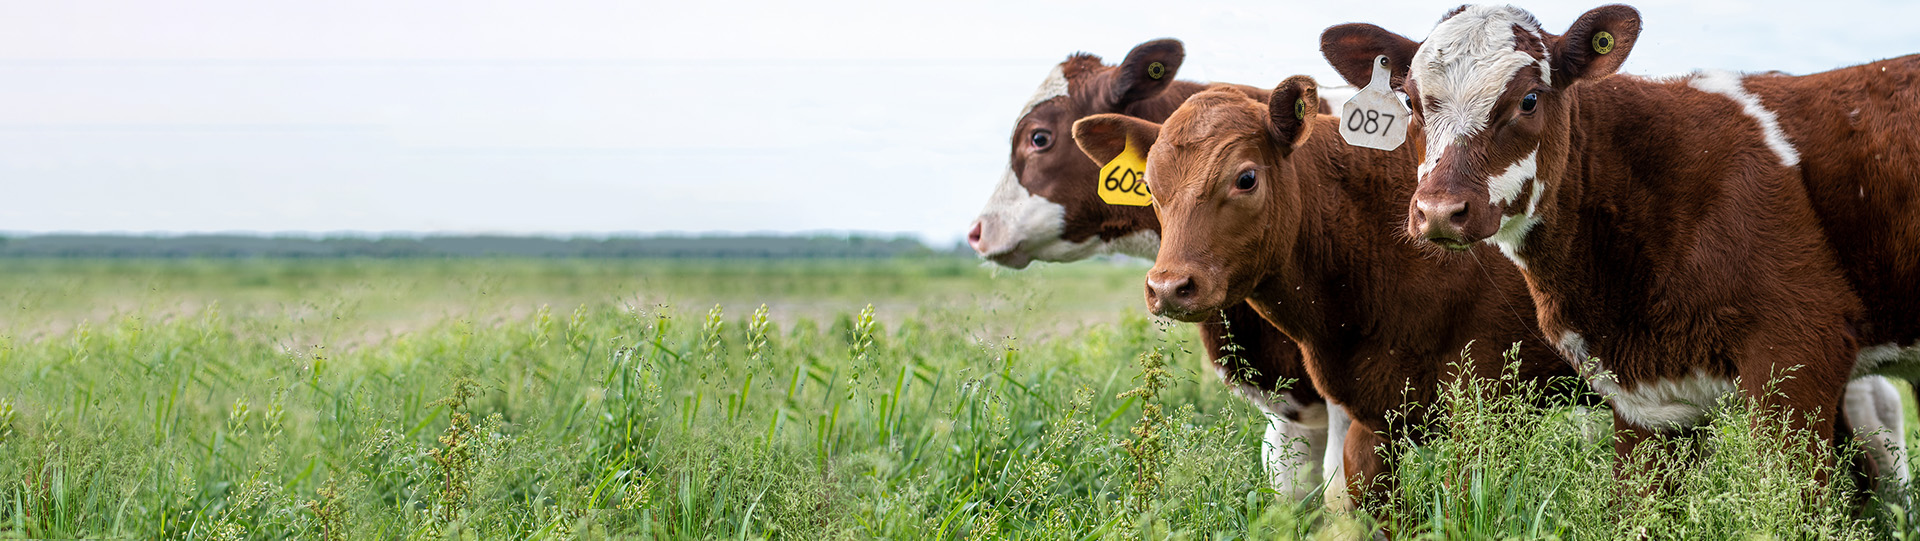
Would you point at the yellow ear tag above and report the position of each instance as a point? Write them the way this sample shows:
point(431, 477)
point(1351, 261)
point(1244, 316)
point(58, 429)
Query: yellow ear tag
point(1603, 42)
point(1123, 181)
point(1300, 109)
point(1156, 70)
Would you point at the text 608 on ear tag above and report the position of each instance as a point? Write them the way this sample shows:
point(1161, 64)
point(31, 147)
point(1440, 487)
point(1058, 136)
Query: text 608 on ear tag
point(1375, 117)
point(1123, 181)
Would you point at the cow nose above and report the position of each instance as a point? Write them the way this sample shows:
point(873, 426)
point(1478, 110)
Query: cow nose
point(1441, 221)
point(973, 237)
point(1168, 293)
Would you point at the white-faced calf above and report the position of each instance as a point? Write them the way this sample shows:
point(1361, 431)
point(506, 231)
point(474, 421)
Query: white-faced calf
point(1669, 243)
point(1261, 202)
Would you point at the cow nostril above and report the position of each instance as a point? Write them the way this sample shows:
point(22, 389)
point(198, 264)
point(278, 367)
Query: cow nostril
point(973, 237)
point(1427, 212)
point(1184, 290)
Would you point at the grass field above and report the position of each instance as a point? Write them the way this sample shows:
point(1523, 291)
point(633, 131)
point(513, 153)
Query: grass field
point(911, 398)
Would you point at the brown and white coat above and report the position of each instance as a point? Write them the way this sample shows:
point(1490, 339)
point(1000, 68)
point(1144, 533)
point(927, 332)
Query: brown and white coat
point(1675, 243)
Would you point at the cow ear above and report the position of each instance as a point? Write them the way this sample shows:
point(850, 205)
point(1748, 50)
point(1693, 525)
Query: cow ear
point(1352, 48)
point(1596, 45)
point(1146, 71)
point(1105, 136)
point(1290, 111)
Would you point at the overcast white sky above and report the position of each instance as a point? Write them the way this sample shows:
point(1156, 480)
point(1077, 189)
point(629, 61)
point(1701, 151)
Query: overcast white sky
point(564, 117)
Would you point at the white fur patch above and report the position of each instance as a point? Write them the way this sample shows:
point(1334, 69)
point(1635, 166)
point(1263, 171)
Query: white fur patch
point(1657, 405)
point(1506, 186)
point(1463, 68)
point(1681, 403)
point(1514, 227)
point(1333, 458)
point(1055, 86)
point(1731, 85)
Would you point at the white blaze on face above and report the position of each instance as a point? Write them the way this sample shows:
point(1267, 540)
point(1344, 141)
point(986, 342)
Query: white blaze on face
point(1018, 227)
point(1462, 69)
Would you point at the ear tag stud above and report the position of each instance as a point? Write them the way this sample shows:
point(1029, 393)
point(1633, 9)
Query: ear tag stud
point(1156, 70)
point(1123, 181)
point(1300, 109)
point(1603, 42)
point(1375, 118)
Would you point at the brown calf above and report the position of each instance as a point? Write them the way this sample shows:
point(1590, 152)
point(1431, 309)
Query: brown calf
point(1046, 209)
point(1670, 246)
point(1262, 202)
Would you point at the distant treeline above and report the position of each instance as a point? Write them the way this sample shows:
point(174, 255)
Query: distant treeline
point(243, 246)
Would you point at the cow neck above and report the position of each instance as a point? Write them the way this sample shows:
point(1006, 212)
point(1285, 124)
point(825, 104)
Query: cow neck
point(1330, 287)
point(1564, 251)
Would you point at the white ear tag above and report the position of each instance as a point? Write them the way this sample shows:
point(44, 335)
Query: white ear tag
point(1375, 117)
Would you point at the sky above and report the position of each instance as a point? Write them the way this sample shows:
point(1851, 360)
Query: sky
point(592, 118)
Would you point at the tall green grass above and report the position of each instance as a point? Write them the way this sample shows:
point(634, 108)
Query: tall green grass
point(497, 399)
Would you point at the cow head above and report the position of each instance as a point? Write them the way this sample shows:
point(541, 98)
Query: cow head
point(1224, 186)
point(1046, 206)
point(1490, 93)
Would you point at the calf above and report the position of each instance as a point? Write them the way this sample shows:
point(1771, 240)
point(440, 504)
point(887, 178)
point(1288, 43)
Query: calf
point(1262, 203)
point(1047, 208)
point(1669, 243)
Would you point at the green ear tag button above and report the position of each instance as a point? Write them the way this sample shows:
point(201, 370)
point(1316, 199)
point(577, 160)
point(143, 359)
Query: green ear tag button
point(1156, 70)
point(1603, 42)
point(1300, 109)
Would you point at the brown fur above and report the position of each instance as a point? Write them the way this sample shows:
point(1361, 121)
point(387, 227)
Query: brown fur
point(1670, 237)
point(1859, 151)
point(1381, 320)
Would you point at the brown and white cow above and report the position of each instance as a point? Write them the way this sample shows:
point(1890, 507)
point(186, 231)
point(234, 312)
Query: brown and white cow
point(1671, 244)
point(1261, 202)
point(1046, 209)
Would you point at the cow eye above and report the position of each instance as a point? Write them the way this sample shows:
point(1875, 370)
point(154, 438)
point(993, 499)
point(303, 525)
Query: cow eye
point(1245, 182)
point(1528, 103)
point(1041, 139)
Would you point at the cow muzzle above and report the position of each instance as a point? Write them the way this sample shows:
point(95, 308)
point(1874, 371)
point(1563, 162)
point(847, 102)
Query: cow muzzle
point(1445, 220)
point(1177, 295)
point(989, 240)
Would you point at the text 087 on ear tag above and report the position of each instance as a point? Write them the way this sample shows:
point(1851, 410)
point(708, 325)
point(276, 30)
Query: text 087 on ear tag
point(1375, 117)
point(1123, 181)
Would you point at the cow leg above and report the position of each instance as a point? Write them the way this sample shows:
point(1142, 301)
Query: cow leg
point(1626, 437)
point(1809, 398)
point(1367, 483)
point(1332, 455)
point(1892, 414)
point(1863, 467)
point(1873, 411)
point(1291, 455)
